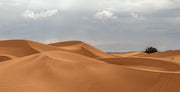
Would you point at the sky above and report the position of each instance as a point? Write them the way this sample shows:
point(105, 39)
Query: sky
point(109, 25)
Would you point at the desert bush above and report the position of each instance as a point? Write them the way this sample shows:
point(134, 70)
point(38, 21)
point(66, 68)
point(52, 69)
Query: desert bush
point(151, 50)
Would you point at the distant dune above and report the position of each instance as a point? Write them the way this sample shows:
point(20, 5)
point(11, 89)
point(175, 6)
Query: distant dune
point(163, 54)
point(74, 66)
point(173, 55)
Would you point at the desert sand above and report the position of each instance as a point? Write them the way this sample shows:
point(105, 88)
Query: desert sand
point(74, 66)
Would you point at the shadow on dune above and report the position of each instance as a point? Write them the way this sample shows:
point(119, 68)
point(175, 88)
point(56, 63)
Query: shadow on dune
point(144, 63)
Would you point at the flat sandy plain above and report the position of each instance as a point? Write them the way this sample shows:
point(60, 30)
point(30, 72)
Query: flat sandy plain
point(74, 66)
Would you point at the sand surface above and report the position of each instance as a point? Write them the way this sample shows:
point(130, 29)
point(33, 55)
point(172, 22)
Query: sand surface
point(74, 66)
point(128, 54)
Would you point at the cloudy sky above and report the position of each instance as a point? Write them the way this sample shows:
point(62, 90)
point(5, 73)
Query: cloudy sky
point(110, 25)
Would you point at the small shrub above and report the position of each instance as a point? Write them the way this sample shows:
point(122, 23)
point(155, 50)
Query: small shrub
point(151, 50)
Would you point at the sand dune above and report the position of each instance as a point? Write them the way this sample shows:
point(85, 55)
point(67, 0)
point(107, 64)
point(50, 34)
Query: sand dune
point(55, 71)
point(78, 67)
point(81, 48)
point(20, 48)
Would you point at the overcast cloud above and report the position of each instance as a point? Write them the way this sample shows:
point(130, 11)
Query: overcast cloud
point(110, 25)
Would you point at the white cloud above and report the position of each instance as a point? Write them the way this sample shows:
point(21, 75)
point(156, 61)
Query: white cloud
point(105, 14)
point(33, 15)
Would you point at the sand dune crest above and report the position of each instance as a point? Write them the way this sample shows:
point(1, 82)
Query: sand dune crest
point(81, 48)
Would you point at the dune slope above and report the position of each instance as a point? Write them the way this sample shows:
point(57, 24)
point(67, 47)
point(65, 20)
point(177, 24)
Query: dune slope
point(60, 71)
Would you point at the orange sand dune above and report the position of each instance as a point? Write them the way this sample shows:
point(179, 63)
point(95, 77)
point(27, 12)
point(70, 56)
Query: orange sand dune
point(20, 48)
point(81, 48)
point(128, 54)
point(59, 71)
point(75, 66)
